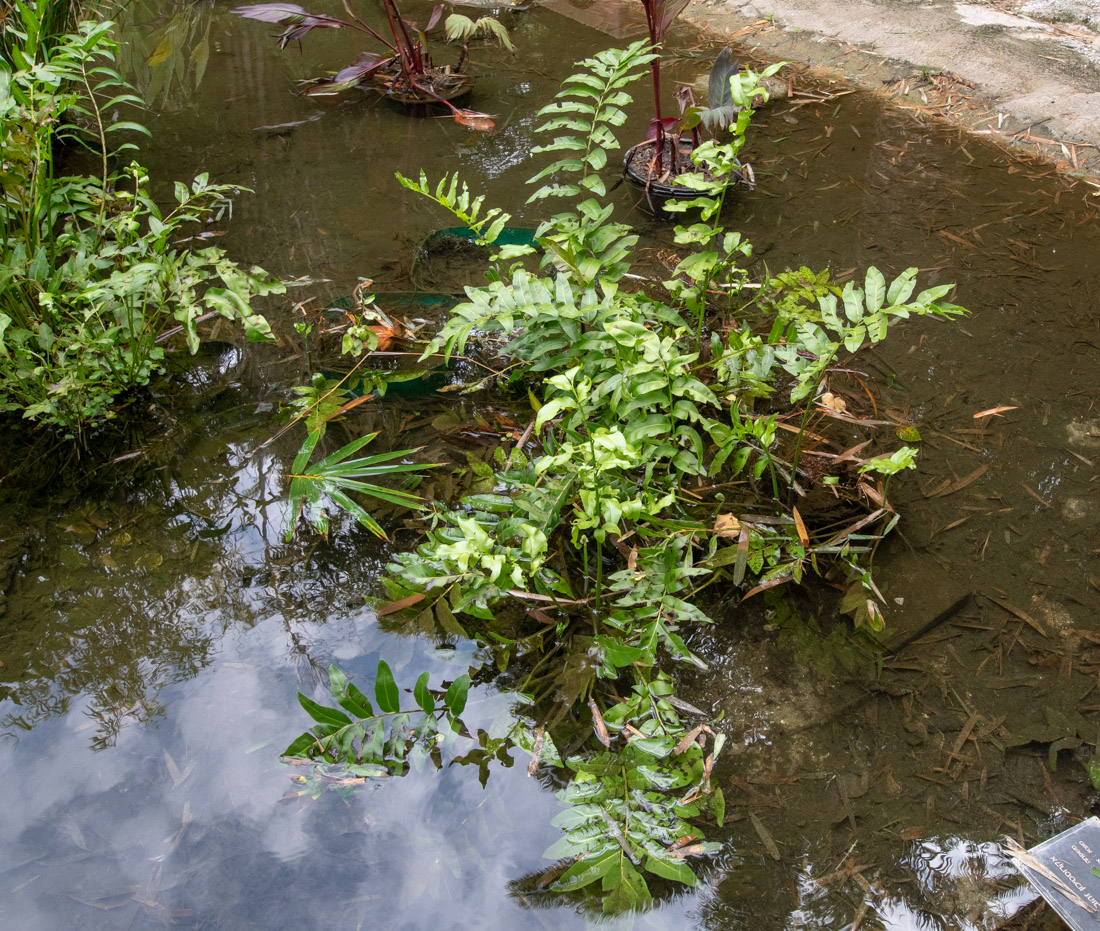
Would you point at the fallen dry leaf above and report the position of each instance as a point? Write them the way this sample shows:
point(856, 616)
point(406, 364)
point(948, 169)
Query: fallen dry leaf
point(394, 606)
point(800, 526)
point(537, 750)
point(993, 412)
point(474, 120)
point(687, 740)
point(597, 721)
point(727, 526)
point(948, 487)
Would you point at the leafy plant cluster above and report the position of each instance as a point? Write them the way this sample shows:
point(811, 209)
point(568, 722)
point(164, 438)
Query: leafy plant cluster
point(50, 22)
point(91, 275)
point(731, 95)
point(335, 475)
point(352, 743)
point(662, 466)
point(629, 804)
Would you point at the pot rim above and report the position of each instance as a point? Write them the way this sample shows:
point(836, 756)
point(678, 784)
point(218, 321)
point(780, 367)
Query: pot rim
point(671, 191)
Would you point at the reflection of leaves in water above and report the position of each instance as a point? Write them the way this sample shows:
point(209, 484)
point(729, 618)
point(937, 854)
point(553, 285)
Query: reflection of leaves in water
point(129, 610)
point(801, 633)
point(165, 48)
point(105, 656)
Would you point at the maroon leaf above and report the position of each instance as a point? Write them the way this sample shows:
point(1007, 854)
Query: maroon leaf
point(286, 14)
point(272, 12)
point(367, 64)
point(436, 14)
point(668, 124)
point(659, 15)
point(299, 20)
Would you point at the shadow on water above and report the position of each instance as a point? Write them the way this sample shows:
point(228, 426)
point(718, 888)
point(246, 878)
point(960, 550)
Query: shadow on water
point(167, 626)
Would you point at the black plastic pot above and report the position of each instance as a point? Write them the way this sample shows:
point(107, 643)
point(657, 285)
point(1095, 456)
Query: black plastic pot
point(657, 194)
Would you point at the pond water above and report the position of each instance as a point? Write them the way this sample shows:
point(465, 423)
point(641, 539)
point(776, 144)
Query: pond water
point(152, 637)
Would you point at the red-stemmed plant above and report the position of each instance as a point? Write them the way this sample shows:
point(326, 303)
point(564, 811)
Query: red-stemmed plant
point(659, 15)
point(404, 71)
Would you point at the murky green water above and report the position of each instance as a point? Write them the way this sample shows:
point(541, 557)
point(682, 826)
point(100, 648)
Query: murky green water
point(152, 638)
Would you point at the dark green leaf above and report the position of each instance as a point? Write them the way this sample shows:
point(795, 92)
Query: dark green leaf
point(587, 871)
point(447, 620)
point(423, 697)
point(323, 714)
point(619, 654)
point(455, 699)
point(626, 889)
point(676, 870)
point(385, 689)
point(347, 695)
point(718, 806)
point(301, 746)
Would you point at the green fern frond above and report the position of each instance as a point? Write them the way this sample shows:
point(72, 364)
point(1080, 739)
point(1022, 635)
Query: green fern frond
point(454, 195)
point(336, 475)
point(589, 104)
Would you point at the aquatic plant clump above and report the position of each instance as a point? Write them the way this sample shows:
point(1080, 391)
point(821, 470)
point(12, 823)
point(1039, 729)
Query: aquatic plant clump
point(91, 273)
point(405, 71)
point(664, 461)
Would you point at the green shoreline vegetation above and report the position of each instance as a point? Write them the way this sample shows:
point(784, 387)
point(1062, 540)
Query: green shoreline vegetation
point(661, 471)
point(666, 452)
point(90, 276)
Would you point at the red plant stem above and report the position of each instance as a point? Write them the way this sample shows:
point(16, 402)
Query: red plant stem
point(404, 48)
point(357, 23)
point(414, 47)
point(659, 140)
point(655, 71)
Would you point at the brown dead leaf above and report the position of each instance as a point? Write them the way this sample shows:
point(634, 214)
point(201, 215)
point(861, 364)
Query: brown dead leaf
point(765, 837)
point(394, 606)
point(541, 616)
point(1023, 616)
point(954, 238)
point(727, 526)
point(536, 750)
point(597, 721)
point(851, 453)
point(387, 335)
point(687, 740)
point(764, 586)
point(873, 494)
point(682, 841)
point(800, 526)
point(949, 487)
